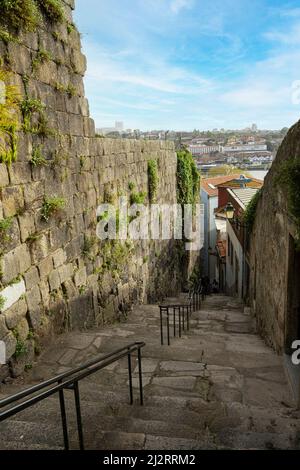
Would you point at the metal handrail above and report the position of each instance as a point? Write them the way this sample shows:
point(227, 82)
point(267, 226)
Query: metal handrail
point(83, 371)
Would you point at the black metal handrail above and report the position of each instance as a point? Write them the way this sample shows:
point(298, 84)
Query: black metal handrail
point(194, 303)
point(70, 381)
point(183, 312)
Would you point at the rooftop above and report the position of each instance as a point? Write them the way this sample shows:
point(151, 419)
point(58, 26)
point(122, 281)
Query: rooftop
point(243, 195)
point(209, 185)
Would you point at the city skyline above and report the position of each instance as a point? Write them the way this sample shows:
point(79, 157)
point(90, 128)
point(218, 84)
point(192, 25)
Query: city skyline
point(187, 64)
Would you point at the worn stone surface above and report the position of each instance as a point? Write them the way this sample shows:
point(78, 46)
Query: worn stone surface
point(195, 396)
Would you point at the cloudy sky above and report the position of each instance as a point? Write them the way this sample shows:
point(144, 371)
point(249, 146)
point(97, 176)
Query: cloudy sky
point(185, 64)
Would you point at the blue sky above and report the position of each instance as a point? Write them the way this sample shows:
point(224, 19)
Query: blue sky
point(185, 64)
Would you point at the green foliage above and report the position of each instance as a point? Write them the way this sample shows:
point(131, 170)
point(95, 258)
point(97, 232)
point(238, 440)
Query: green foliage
point(70, 28)
point(42, 128)
point(20, 14)
point(226, 170)
point(37, 158)
point(7, 37)
point(188, 179)
point(115, 256)
point(51, 205)
point(153, 180)
point(138, 198)
point(5, 224)
point(2, 302)
point(21, 347)
point(289, 178)
point(250, 212)
point(53, 10)
point(41, 57)
point(9, 120)
point(131, 185)
point(69, 89)
point(28, 107)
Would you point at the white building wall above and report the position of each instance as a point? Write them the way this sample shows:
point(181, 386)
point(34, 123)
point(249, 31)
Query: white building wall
point(232, 269)
point(210, 234)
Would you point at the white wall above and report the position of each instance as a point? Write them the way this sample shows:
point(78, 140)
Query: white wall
point(210, 234)
point(231, 269)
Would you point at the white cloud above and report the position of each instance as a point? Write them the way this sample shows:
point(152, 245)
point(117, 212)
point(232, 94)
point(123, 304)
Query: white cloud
point(289, 38)
point(177, 5)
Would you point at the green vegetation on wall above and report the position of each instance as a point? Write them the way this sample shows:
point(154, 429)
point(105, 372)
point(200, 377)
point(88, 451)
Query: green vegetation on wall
point(9, 119)
point(289, 178)
point(26, 14)
point(250, 212)
point(153, 180)
point(188, 179)
point(51, 205)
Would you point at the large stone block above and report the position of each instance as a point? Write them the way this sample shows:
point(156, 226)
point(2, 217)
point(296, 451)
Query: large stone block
point(45, 267)
point(15, 262)
point(12, 200)
point(20, 173)
point(3, 175)
point(33, 298)
point(31, 278)
point(14, 315)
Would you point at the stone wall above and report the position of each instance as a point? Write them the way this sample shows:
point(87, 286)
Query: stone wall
point(270, 250)
point(55, 274)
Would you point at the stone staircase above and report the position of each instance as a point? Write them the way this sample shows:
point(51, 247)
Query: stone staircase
point(218, 387)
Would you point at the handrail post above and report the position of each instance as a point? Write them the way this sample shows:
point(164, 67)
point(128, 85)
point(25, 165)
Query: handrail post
point(183, 321)
point(168, 326)
point(161, 327)
point(140, 376)
point(130, 378)
point(63, 417)
point(174, 321)
point(179, 316)
point(78, 415)
point(188, 316)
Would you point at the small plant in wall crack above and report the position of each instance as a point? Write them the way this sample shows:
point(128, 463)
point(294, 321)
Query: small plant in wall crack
point(5, 225)
point(41, 57)
point(37, 158)
point(51, 206)
point(28, 107)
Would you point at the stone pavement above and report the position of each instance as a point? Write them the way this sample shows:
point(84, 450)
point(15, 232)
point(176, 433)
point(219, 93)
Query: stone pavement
point(218, 387)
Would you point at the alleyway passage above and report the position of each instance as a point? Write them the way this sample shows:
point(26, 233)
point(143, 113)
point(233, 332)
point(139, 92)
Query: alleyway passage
point(217, 387)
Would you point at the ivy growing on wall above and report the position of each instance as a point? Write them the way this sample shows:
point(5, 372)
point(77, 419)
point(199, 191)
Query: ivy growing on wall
point(9, 119)
point(250, 212)
point(288, 177)
point(153, 180)
point(188, 179)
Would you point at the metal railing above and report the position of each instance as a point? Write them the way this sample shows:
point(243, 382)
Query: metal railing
point(70, 381)
point(180, 313)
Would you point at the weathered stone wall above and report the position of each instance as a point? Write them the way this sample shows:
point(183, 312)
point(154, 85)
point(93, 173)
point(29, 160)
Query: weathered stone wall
point(55, 274)
point(269, 250)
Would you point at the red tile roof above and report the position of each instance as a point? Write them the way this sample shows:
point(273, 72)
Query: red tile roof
point(216, 181)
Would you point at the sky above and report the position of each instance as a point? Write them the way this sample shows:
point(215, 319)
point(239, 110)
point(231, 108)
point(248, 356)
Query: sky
point(191, 64)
